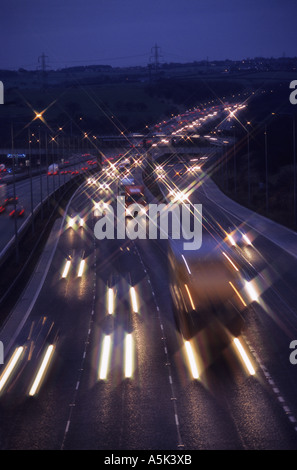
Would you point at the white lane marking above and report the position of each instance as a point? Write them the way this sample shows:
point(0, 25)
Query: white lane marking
point(271, 382)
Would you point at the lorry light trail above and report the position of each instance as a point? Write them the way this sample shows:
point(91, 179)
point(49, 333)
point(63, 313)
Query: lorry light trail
point(230, 261)
point(237, 293)
point(231, 239)
point(192, 361)
point(190, 297)
point(246, 239)
point(244, 356)
point(251, 291)
point(42, 370)
point(133, 299)
point(110, 301)
point(187, 266)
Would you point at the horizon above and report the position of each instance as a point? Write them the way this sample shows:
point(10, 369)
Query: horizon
point(124, 34)
point(194, 61)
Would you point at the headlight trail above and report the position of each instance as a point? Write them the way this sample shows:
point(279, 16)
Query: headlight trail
point(231, 239)
point(10, 367)
point(230, 261)
point(246, 239)
point(81, 268)
point(128, 355)
point(66, 269)
point(187, 266)
point(71, 222)
point(110, 301)
point(190, 297)
point(192, 361)
point(244, 356)
point(105, 358)
point(237, 293)
point(133, 299)
point(251, 291)
point(42, 370)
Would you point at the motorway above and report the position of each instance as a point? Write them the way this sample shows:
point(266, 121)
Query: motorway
point(118, 376)
point(96, 360)
point(31, 193)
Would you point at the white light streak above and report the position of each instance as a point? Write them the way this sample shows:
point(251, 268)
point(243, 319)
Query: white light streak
point(190, 297)
point(41, 371)
point(10, 367)
point(110, 301)
point(66, 269)
point(187, 266)
point(81, 268)
point(105, 358)
point(244, 357)
point(251, 291)
point(192, 361)
point(133, 299)
point(230, 261)
point(128, 356)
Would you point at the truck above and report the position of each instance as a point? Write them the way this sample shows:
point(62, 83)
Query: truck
point(53, 169)
point(205, 287)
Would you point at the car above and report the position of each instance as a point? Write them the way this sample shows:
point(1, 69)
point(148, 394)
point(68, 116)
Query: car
point(236, 236)
point(11, 200)
point(18, 211)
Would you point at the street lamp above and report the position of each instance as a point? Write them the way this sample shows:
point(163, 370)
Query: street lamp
point(249, 179)
point(14, 196)
point(31, 182)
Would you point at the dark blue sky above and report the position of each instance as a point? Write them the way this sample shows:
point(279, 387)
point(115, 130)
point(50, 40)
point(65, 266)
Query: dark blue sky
point(122, 32)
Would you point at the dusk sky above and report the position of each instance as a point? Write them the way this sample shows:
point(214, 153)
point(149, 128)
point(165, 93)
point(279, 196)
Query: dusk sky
point(123, 32)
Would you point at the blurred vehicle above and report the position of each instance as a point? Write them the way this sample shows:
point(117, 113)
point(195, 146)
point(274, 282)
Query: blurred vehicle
point(3, 169)
point(11, 200)
point(53, 169)
point(205, 286)
point(91, 181)
point(122, 185)
point(134, 195)
point(18, 211)
point(3, 194)
point(235, 236)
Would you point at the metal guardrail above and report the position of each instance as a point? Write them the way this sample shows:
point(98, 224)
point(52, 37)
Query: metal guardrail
point(7, 250)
